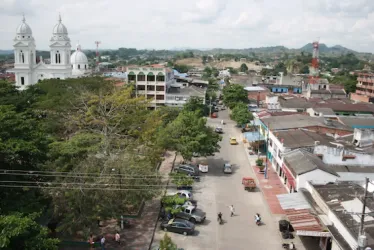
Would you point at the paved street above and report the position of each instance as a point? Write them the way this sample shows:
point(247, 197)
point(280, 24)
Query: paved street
point(217, 191)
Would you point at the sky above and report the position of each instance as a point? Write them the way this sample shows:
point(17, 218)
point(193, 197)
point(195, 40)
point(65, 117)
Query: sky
point(168, 24)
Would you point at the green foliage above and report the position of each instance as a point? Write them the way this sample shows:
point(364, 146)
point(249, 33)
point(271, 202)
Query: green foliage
point(167, 244)
point(188, 133)
point(259, 162)
point(233, 94)
point(182, 68)
point(181, 179)
point(195, 104)
point(241, 114)
point(20, 232)
point(243, 67)
point(347, 80)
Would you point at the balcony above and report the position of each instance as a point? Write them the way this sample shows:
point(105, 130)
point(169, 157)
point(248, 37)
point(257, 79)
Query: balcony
point(141, 92)
point(151, 92)
point(160, 101)
point(364, 79)
point(141, 83)
point(151, 82)
point(160, 82)
point(160, 92)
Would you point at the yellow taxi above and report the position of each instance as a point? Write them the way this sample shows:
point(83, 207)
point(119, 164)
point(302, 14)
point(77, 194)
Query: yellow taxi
point(233, 141)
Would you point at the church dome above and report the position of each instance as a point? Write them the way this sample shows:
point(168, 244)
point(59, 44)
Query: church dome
point(78, 57)
point(24, 28)
point(60, 28)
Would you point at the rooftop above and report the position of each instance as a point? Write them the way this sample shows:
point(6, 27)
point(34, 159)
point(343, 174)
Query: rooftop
point(254, 88)
point(300, 121)
point(302, 138)
point(188, 91)
point(325, 111)
point(358, 122)
point(300, 162)
point(346, 196)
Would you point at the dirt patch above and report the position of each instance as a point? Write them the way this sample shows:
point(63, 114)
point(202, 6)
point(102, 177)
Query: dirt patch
point(197, 63)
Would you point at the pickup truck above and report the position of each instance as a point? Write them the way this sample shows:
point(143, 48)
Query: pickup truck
point(191, 214)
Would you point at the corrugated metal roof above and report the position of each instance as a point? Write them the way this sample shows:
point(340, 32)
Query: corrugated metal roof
point(298, 212)
point(293, 201)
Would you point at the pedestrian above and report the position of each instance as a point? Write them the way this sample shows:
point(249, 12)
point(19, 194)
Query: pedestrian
point(117, 238)
point(232, 210)
point(91, 241)
point(102, 241)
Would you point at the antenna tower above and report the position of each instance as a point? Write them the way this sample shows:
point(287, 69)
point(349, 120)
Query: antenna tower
point(314, 69)
point(97, 55)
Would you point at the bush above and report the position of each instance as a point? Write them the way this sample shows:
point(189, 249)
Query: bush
point(259, 162)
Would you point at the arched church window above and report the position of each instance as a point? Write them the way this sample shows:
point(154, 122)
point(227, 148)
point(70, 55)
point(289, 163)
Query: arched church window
point(58, 57)
point(32, 58)
point(21, 57)
point(85, 66)
point(79, 66)
point(23, 36)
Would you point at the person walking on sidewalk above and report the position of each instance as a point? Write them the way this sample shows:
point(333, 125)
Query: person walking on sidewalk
point(117, 238)
point(102, 242)
point(232, 210)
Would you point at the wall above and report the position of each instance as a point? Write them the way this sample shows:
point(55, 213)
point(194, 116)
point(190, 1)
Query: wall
point(317, 176)
point(359, 98)
point(332, 217)
point(334, 155)
point(325, 130)
point(363, 134)
point(254, 95)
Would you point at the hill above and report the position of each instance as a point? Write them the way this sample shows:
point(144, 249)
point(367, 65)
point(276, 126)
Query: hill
point(6, 52)
point(323, 48)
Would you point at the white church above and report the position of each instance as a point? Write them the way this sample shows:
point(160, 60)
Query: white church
point(28, 70)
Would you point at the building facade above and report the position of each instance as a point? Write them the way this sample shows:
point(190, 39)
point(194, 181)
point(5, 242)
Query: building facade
point(364, 88)
point(29, 69)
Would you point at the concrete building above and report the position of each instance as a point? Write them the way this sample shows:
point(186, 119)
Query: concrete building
point(29, 70)
point(364, 88)
point(339, 204)
point(159, 85)
point(151, 82)
point(257, 93)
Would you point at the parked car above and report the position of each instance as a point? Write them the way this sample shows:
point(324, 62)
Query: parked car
point(187, 202)
point(191, 214)
point(233, 141)
point(227, 168)
point(188, 169)
point(184, 193)
point(178, 226)
point(203, 167)
point(219, 130)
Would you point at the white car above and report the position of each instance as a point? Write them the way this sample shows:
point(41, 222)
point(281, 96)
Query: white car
point(203, 167)
point(227, 168)
point(185, 193)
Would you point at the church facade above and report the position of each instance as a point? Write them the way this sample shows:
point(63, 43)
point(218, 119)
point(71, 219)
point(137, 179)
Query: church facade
point(29, 70)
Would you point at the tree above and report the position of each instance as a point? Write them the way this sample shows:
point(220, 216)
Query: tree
point(188, 133)
point(167, 244)
point(243, 67)
point(241, 114)
point(182, 68)
point(195, 104)
point(20, 232)
point(234, 93)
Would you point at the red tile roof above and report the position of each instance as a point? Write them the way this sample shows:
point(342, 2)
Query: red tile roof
point(303, 220)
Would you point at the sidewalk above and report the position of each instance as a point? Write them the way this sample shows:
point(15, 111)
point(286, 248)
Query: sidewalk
point(270, 187)
point(140, 235)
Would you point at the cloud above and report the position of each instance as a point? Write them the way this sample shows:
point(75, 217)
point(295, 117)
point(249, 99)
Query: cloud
point(195, 23)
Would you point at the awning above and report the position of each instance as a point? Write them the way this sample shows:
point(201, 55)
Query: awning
point(140, 74)
point(254, 136)
point(299, 213)
point(150, 74)
point(160, 74)
point(131, 73)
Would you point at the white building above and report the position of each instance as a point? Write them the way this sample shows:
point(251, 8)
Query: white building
point(28, 70)
point(159, 86)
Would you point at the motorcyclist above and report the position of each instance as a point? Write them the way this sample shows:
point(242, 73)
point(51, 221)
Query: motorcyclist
point(258, 218)
point(219, 218)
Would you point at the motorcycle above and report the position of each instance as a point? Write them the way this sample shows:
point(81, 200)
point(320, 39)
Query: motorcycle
point(219, 219)
point(258, 220)
point(289, 246)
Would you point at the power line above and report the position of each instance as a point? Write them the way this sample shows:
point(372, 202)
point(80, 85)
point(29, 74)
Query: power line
point(73, 183)
point(84, 188)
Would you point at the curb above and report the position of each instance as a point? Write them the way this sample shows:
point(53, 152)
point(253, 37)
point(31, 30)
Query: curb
point(158, 216)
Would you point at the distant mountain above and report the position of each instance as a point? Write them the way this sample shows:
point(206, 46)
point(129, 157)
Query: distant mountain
point(323, 48)
point(6, 52)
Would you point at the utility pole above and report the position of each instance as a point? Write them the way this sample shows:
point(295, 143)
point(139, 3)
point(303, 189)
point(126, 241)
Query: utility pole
point(210, 106)
point(361, 231)
point(267, 151)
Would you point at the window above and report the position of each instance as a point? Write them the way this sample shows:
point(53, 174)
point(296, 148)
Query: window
point(22, 80)
point(141, 77)
point(79, 66)
point(21, 57)
point(58, 57)
point(85, 66)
